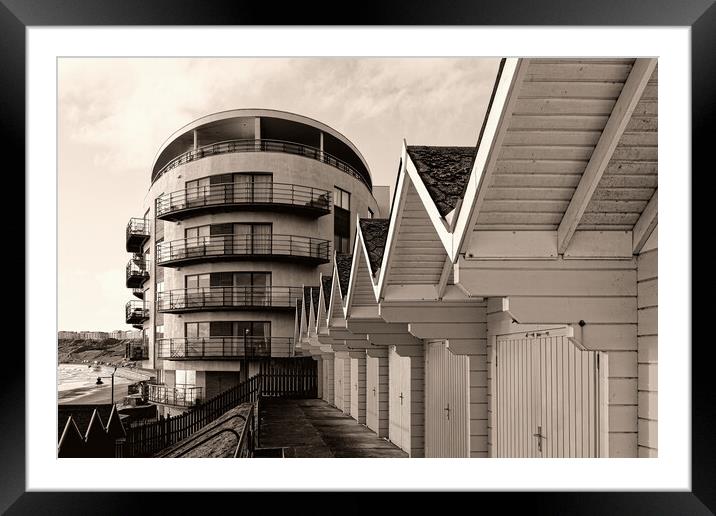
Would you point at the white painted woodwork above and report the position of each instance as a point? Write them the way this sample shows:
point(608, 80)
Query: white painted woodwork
point(497, 121)
point(647, 363)
point(406, 400)
point(605, 148)
point(547, 385)
point(328, 379)
point(346, 385)
point(358, 389)
point(447, 330)
point(440, 312)
point(447, 402)
point(377, 391)
point(417, 255)
point(645, 225)
point(338, 382)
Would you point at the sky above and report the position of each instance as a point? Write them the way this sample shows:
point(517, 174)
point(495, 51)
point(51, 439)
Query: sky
point(114, 113)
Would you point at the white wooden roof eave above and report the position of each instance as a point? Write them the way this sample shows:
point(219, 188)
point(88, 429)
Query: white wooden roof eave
point(360, 257)
point(506, 94)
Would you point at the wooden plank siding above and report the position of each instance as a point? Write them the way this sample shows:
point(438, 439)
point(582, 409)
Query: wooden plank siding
point(419, 255)
point(647, 388)
point(565, 292)
point(559, 115)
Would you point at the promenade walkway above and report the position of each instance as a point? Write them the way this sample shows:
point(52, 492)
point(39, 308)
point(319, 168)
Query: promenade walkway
point(313, 428)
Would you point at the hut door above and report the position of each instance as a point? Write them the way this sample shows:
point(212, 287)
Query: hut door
point(446, 402)
point(547, 396)
point(338, 382)
point(371, 398)
point(395, 433)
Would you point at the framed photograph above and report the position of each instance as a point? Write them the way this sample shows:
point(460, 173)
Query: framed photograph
point(429, 239)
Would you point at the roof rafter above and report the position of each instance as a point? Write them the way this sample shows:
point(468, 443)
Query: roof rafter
point(646, 224)
point(616, 124)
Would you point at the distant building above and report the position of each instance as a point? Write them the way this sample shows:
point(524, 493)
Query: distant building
point(67, 335)
point(92, 335)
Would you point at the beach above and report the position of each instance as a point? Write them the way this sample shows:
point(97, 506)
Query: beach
point(77, 385)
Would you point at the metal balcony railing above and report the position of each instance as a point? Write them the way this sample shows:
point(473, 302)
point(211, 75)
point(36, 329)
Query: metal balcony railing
point(138, 351)
point(138, 292)
point(219, 348)
point(182, 395)
point(230, 146)
point(232, 247)
point(136, 312)
point(137, 234)
point(137, 271)
point(227, 298)
point(230, 196)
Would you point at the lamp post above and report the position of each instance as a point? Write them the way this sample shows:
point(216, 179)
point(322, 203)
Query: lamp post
point(246, 354)
point(100, 382)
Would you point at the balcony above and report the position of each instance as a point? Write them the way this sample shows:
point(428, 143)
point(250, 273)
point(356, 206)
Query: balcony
point(309, 250)
point(232, 146)
point(137, 351)
point(137, 271)
point(181, 396)
point(137, 312)
point(219, 348)
point(138, 293)
point(137, 234)
point(228, 298)
point(225, 197)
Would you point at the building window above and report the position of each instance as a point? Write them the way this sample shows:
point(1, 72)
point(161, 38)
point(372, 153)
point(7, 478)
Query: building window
point(341, 221)
point(341, 198)
point(185, 379)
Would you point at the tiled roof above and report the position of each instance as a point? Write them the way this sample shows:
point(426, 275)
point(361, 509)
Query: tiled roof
point(315, 292)
point(307, 300)
point(444, 171)
point(344, 262)
point(375, 234)
point(327, 283)
point(81, 414)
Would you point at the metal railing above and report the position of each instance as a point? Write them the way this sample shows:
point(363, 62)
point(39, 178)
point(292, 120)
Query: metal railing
point(138, 352)
point(138, 292)
point(238, 246)
point(230, 146)
point(136, 312)
point(219, 347)
point(181, 396)
point(227, 298)
point(239, 194)
point(146, 439)
point(137, 270)
point(137, 233)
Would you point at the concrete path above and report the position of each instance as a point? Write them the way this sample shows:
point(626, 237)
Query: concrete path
point(313, 428)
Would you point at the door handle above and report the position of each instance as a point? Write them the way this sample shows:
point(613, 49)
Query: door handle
point(539, 437)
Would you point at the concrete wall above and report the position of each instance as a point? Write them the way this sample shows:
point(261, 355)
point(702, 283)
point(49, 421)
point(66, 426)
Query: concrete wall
point(647, 331)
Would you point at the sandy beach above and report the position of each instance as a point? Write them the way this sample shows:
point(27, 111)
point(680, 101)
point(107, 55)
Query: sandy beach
point(77, 384)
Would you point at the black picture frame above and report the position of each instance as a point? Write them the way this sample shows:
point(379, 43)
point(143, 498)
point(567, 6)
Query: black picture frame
point(699, 15)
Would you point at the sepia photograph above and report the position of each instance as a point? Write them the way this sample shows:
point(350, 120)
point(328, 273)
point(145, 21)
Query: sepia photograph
point(357, 257)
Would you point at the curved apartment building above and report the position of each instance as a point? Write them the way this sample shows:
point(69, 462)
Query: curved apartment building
point(244, 209)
